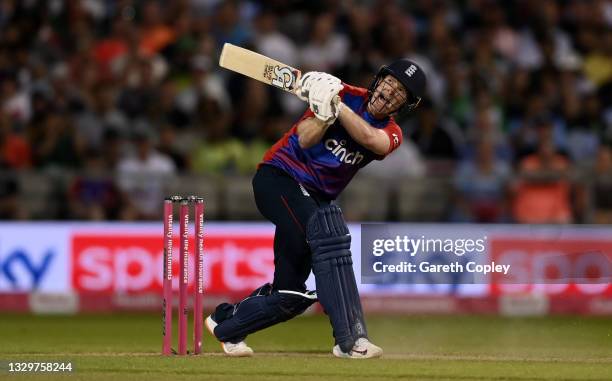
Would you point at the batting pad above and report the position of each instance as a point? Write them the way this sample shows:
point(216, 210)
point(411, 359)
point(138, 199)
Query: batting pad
point(330, 243)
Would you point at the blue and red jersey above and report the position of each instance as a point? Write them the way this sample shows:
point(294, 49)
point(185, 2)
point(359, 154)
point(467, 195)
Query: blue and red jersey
point(327, 167)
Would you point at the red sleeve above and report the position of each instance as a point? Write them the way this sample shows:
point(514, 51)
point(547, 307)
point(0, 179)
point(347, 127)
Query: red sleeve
point(392, 130)
point(394, 133)
point(353, 90)
point(307, 114)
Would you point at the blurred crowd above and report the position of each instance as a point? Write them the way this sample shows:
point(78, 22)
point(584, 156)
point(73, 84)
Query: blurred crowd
point(127, 94)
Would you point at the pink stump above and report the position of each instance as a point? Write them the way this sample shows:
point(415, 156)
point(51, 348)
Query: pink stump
point(199, 271)
point(167, 280)
point(184, 278)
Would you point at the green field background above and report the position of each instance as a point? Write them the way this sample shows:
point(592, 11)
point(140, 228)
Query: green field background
point(127, 347)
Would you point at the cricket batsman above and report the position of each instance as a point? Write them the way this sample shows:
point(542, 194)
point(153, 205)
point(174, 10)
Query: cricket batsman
point(344, 128)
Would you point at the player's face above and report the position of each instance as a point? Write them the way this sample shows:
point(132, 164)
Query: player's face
point(388, 96)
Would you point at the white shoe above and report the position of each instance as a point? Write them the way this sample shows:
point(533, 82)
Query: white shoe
point(231, 349)
point(362, 349)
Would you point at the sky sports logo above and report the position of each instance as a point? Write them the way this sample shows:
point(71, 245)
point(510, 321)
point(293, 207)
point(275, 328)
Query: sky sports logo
point(120, 263)
point(21, 269)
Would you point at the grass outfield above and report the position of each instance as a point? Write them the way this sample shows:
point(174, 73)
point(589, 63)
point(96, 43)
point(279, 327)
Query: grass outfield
point(126, 347)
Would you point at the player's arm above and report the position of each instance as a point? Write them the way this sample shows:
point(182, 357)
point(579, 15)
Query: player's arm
point(324, 87)
point(310, 131)
point(321, 90)
point(374, 139)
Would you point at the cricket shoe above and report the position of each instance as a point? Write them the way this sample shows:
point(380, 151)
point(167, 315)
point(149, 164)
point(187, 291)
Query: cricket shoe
point(240, 349)
point(362, 349)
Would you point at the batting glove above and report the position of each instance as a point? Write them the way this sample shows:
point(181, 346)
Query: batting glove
point(307, 80)
point(324, 100)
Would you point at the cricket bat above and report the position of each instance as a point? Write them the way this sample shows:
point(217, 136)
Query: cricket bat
point(259, 67)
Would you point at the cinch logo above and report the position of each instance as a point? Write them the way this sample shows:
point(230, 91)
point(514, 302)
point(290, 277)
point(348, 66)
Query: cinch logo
point(339, 150)
point(411, 70)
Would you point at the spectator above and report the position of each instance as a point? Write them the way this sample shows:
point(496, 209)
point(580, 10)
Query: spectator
point(436, 138)
point(486, 126)
point(167, 146)
point(505, 39)
point(142, 177)
point(15, 151)
point(76, 75)
point(271, 42)
point(112, 47)
point(515, 93)
point(481, 187)
point(228, 24)
point(9, 194)
point(113, 148)
point(137, 96)
point(218, 153)
point(542, 193)
point(326, 50)
point(165, 109)
point(458, 100)
point(528, 134)
point(404, 162)
point(155, 34)
point(602, 187)
point(98, 115)
point(598, 63)
point(252, 102)
point(543, 42)
point(60, 144)
point(93, 194)
point(204, 83)
point(15, 102)
point(586, 129)
point(272, 130)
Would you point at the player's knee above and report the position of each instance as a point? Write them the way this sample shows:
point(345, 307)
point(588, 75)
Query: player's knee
point(328, 234)
point(264, 290)
point(293, 303)
point(266, 304)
